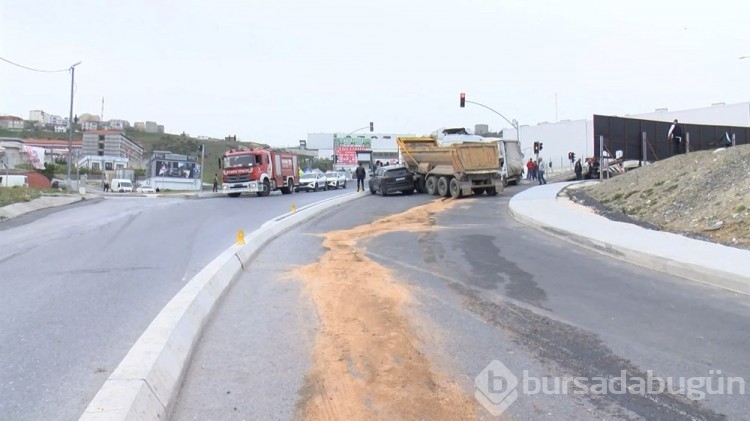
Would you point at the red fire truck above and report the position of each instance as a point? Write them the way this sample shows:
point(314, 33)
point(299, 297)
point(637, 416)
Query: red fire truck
point(259, 171)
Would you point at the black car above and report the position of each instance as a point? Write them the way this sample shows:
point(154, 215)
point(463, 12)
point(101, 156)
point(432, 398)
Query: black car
point(392, 178)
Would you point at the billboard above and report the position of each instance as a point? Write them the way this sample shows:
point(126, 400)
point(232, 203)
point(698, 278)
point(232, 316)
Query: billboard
point(177, 169)
point(35, 156)
point(345, 149)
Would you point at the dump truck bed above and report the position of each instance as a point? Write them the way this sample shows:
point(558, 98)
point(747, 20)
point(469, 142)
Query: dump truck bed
point(464, 157)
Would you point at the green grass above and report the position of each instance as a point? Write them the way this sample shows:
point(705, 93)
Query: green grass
point(672, 187)
point(617, 197)
point(11, 195)
point(658, 183)
point(630, 194)
point(740, 208)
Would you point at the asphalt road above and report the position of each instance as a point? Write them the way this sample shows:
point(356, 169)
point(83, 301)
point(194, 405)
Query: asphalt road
point(79, 284)
point(485, 288)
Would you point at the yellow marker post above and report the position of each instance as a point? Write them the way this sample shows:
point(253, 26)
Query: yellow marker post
point(240, 237)
point(294, 208)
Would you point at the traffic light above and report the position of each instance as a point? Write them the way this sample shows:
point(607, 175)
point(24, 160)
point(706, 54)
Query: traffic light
point(372, 126)
point(536, 147)
point(541, 146)
point(335, 158)
point(463, 100)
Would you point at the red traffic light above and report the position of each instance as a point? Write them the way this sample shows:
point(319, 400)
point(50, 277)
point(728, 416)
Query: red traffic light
point(463, 100)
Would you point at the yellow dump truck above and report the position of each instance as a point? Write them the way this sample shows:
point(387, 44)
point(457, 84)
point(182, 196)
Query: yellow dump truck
point(459, 169)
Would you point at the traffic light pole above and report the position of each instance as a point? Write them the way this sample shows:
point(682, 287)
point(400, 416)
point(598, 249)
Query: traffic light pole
point(513, 123)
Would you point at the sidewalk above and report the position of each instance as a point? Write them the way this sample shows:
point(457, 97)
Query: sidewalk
point(700, 261)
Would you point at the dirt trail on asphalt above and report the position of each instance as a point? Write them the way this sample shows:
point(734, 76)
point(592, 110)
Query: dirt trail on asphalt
point(366, 361)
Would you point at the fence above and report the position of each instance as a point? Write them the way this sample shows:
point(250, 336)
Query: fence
point(630, 135)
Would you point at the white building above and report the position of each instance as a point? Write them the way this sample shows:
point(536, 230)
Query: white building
point(40, 116)
point(577, 136)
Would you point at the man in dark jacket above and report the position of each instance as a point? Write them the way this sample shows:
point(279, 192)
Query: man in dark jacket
point(675, 136)
point(578, 170)
point(361, 173)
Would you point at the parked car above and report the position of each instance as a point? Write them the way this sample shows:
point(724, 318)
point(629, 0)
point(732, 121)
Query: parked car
point(336, 179)
point(145, 188)
point(312, 181)
point(391, 179)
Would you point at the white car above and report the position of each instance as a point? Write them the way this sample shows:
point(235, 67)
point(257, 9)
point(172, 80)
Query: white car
point(313, 181)
point(335, 179)
point(145, 188)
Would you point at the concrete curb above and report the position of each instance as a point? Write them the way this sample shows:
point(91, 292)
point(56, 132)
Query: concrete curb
point(147, 381)
point(710, 269)
point(44, 202)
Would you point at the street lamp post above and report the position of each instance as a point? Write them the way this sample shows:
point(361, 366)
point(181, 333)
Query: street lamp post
point(70, 121)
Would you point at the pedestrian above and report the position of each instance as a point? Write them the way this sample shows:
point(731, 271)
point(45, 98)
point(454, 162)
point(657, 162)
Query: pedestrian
point(675, 137)
point(529, 169)
point(106, 187)
point(361, 173)
point(216, 183)
point(540, 171)
point(578, 168)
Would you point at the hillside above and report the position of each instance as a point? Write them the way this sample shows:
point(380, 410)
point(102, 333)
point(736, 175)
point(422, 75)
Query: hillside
point(155, 141)
point(701, 194)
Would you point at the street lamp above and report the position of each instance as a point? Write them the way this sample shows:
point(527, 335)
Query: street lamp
point(70, 121)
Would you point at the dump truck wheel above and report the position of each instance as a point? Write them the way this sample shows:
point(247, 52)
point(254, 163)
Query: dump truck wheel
point(479, 191)
point(420, 185)
point(491, 191)
point(431, 185)
point(442, 186)
point(455, 188)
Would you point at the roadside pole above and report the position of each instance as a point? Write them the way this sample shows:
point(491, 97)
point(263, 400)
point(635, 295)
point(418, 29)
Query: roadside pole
point(203, 155)
point(601, 158)
point(644, 150)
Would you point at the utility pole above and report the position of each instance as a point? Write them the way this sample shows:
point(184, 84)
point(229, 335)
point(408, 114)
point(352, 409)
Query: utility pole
point(203, 155)
point(70, 122)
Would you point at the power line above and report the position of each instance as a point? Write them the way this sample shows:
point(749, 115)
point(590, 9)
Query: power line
point(33, 69)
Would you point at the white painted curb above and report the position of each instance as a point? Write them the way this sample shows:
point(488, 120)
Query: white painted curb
point(707, 263)
point(147, 381)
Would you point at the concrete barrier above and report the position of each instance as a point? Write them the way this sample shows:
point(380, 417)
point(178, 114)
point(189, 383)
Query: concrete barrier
point(147, 381)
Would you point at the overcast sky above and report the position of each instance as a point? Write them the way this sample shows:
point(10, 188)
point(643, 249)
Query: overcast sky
point(273, 71)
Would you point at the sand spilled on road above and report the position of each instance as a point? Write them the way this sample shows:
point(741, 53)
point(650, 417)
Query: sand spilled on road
point(366, 362)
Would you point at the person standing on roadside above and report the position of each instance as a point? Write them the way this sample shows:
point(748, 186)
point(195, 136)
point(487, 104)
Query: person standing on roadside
point(578, 168)
point(540, 171)
point(216, 182)
point(360, 172)
point(675, 136)
point(530, 169)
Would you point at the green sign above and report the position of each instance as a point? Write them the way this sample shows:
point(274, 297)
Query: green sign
point(352, 141)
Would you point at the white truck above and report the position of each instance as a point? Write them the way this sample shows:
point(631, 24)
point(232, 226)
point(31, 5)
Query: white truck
point(510, 155)
point(121, 185)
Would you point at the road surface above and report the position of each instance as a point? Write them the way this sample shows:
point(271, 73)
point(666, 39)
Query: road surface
point(79, 284)
point(396, 318)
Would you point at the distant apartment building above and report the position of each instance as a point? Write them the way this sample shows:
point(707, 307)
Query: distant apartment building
point(160, 128)
point(110, 146)
point(89, 125)
point(10, 122)
point(151, 127)
point(118, 124)
point(61, 129)
point(140, 126)
point(39, 116)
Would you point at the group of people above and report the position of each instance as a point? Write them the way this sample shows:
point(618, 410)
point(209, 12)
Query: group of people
point(535, 170)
